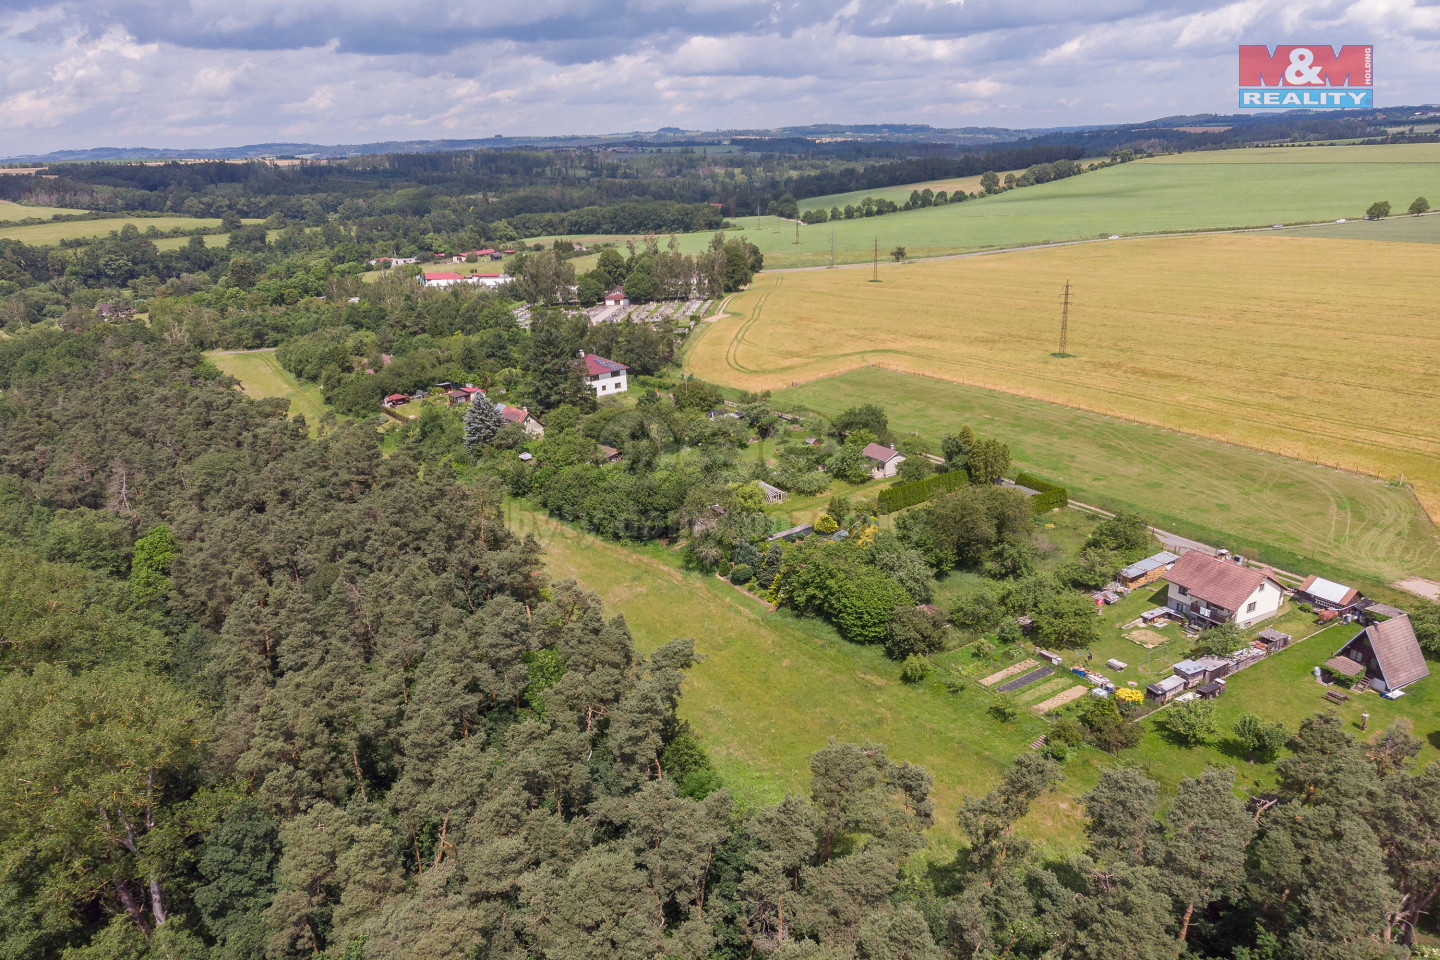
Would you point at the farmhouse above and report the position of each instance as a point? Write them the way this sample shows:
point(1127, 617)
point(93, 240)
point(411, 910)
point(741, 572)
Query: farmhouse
point(1386, 653)
point(886, 460)
point(1148, 570)
point(472, 279)
point(605, 377)
point(441, 279)
point(396, 400)
point(1214, 591)
point(520, 415)
point(609, 454)
point(617, 298)
point(1328, 595)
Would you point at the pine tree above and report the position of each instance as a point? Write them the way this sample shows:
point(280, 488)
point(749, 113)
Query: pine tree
point(482, 422)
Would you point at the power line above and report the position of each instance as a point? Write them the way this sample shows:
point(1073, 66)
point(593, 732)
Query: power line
point(876, 277)
point(1064, 320)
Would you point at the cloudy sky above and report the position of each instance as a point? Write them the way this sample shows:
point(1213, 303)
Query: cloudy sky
point(202, 73)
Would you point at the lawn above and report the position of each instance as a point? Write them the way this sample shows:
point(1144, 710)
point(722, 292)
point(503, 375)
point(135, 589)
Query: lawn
point(261, 376)
point(772, 687)
point(1193, 191)
point(10, 210)
point(1318, 349)
point(51, 233)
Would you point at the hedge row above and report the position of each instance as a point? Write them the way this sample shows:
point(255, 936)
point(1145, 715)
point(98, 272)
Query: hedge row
point(904, 495)
point(1050, 496)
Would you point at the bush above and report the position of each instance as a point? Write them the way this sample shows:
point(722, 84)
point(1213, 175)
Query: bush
point(1191, 723)
point(741, 574)
point(1005, 708)
point(913, 631)
point(916, 669)
point(723, 568)
point(825, 524)
point(1050, 496)
point(904, 495)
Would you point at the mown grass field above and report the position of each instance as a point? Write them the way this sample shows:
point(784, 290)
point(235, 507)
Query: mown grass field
point(261, 375)
point(1193, 191)
point(43, 234)
point(1321, 350)
point(1288, 512)
point(773, 687)
point(10, 210)
point(1395, 229)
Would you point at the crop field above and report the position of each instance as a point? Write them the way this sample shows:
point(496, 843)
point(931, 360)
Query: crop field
point(1194, 191)
point(9, 210)
point(1401, 229)
point(898, 194)
point(261, 376)
point(50, 233)
point(1317, 349)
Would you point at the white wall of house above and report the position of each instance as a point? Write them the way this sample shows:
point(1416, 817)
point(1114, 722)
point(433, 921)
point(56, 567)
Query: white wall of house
point(609, 385)
point(889, 468)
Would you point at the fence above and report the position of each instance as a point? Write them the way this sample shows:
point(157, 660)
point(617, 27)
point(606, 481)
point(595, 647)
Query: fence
point(1050, 496)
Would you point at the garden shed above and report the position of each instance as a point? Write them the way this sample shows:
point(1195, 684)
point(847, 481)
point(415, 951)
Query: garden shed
point(1150, 569)
point(1165, 689)
point(1387, 653)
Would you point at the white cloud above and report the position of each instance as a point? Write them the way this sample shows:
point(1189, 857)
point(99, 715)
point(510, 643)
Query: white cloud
point(204, 73)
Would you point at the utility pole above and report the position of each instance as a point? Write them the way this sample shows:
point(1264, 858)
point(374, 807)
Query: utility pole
point(876, 277)
point(1064, 320)
point(797, 231)
point(832, 267)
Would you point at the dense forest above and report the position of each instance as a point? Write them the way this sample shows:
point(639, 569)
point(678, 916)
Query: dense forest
point(267, 696)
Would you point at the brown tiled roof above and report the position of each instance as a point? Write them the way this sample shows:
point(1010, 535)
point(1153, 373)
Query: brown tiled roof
point(878, 453)
point(1222, 583)
point(1398, 652)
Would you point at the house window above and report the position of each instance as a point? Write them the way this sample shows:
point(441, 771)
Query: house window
point(1184, 591)
point(1251, 608)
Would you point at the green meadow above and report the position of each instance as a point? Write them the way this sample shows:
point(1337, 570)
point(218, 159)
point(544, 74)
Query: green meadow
point(261, 376)
point(1288, 512)
point(1194, 191)
point(44, 234)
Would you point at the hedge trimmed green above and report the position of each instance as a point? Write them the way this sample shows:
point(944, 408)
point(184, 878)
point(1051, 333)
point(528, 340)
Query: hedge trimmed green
point(1050, 496)
point(904, 495)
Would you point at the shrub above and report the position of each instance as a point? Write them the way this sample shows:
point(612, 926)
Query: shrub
point(903, 495)
point(1050, 496)
point(916, 669)
point(723, 568)
point(913, 631)
point(1129, 695)
point(741, 574)
point(1191, 723)
point(1005, 708)
point(825, 524)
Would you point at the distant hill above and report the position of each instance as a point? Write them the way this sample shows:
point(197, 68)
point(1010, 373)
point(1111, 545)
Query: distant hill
point(898, 134)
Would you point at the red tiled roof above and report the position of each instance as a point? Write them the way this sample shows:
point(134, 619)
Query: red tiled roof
point(443, 276)
point(397, 396)
point(1222, 583)
point(615, 294)
point(596, 366)
point(471, 390)
point(880, 454)
point(514, 414)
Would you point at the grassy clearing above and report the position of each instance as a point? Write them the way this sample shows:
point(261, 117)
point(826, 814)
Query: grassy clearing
point(10, 210)
point(1194, 191)
point(772, 687)
point(1397, 229)
point(1321, 350)
point(51, 233)
point(261, 375)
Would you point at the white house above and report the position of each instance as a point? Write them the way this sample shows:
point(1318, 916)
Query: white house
point(471, 279)
point(885, 461)
point(617, 298)
point(1216, 591)
point(605, 377)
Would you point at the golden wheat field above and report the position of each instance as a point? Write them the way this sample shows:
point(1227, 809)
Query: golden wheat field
point(1321, 349)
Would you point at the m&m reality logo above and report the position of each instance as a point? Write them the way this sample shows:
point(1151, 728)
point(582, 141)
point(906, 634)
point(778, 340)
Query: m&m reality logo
point(1312, 76)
